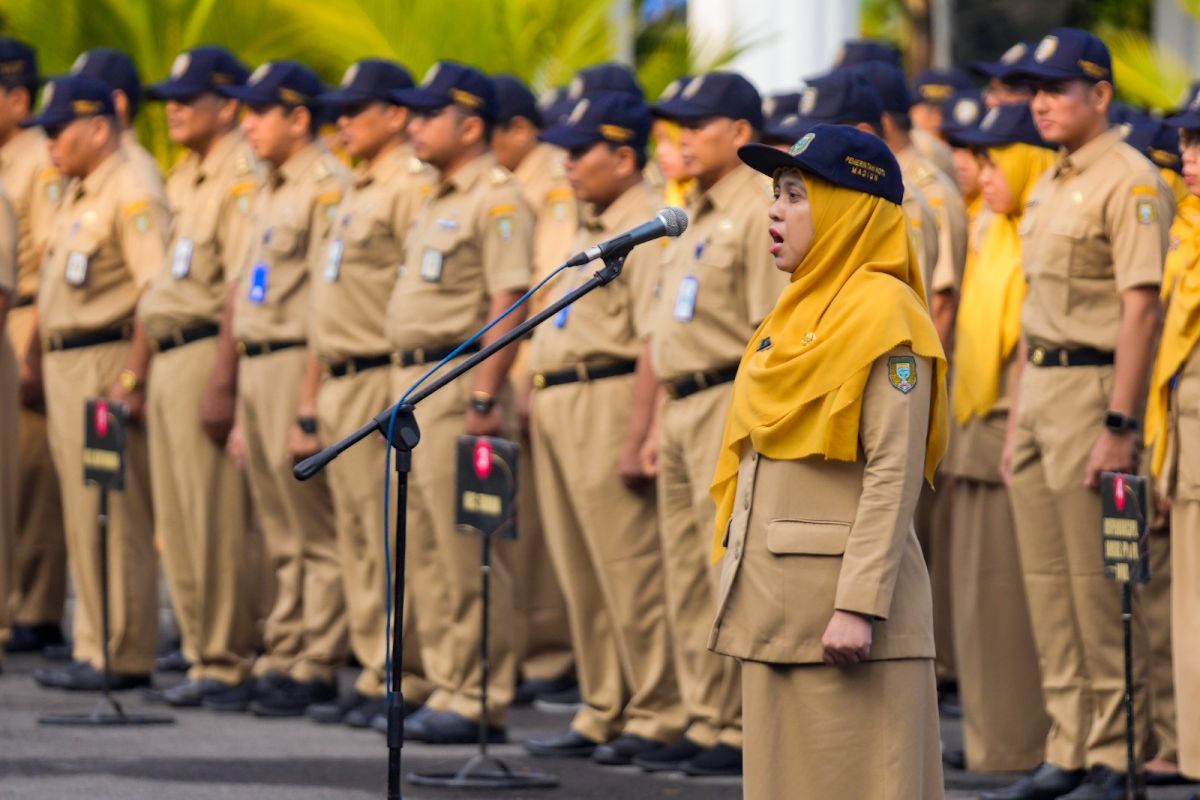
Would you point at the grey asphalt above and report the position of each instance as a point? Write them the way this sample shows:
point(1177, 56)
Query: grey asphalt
point(207, 755)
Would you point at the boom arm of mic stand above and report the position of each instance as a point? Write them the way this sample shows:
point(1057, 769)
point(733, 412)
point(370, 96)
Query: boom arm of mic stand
point(314, 464)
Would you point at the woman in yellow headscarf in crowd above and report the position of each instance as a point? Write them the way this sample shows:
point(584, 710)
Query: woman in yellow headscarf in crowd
point(667, 162)
point(1173, 431)
point(839, 412)
point(1003, 730)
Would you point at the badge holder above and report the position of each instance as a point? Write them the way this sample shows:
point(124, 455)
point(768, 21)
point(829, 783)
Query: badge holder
point(404, 437)
point(104, 466)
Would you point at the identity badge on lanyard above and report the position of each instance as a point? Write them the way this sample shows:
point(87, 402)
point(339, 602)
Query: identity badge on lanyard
point(181, 262)
point(77, 269)
point(333, 260)
point(689, 287)
point(258, 283)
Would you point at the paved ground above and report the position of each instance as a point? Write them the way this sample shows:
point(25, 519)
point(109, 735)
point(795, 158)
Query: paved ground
point(206, 755)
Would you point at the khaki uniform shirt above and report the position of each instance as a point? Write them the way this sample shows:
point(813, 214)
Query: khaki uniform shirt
point(212, 201)
point(950, 215)
point(543, 178)
point(934, 150)
point(719, 279)
point(357, 271)
point(8, 247)
point(109, 242)
point(140, 156)
point(35, 188)
point(472, 240)
point(293, 213)
point(611, 323)
point(922, 227)
point(1095, 225)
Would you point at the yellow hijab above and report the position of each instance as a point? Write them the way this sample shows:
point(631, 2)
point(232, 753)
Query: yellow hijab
point(856, 295)
point(1183, 230)
point(675, 192)
point(989, 313)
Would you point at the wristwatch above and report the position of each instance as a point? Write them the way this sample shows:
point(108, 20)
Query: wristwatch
point(129, 380)
point(482, 403)
point(307, 424)
point(1117, 422)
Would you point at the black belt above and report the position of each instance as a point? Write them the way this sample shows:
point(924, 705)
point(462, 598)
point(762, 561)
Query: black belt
point(253, 349)
point(21, 302)
point(544, 380)
point(183, 336)
point(56, 343)
point(421, 355)
point(353, 366)
point(1085, 357)
point(699, 381)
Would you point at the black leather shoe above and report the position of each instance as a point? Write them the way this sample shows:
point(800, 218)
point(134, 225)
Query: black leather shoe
point(55, 677)
point(1167, 779)
point(564, 701)
point(670, 757)
point(623, 750)
point(293, 699)
point(238, 698)
point(447, 727)
point(379, 721)
point(90, 679)
point(721, 761)
point(568, 744)
point(172, 662)
point(33, 638)
point(361, 715)
point(954, 759)
point(189, 694)
point(58, 652)
point(1101, 783)
point(1047, 782)
point(335, 712)
point(414, 725)
point(533, 688)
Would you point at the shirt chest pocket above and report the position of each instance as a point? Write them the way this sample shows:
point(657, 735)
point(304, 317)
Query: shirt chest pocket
point(1081, 251)
point(283, 242)
point(715, 269)
point(449, 258)
point(81, 259)
point(195, 252)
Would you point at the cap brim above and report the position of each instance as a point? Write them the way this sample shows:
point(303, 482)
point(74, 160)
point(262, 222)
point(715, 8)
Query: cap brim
point(766, 159)
point(176, 90)
point(990, 69)
point(46, 121)
point(1041, 72)
point(792, 131)
point(569, 137)
point(249, 95)
point(681, 108)
point(347, 97)
point(420, 99)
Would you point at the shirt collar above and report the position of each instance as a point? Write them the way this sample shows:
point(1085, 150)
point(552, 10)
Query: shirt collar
point(100, 174)
point(297, 165)
point(724, 193)
point(1090, 153)
point(385, 167)
point(468, 174)
point(611, 216)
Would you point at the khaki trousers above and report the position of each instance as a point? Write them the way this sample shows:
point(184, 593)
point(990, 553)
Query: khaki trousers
point(1185, 631)
point(933, 524)
point(71, 377)
point(1004, 726)
point(9, 470)
point(305, 633)
point(815, 732)
point(200, 504)
point(39, 549)
point(1156, 606)
point(445, 567)
point(606, 551)
point(1075, 608)
point(356, 481)
point(709, 684)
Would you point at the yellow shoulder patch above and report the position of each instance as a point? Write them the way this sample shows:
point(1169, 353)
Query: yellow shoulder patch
point(329, 198)
point(560, 194)
point(1144, 191)
point(139, 214)
point(141, 206)
point(243, 187)
point(502, 210)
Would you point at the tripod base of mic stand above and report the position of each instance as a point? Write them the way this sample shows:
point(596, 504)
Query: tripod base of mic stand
point(107, 714)
point(484, 772)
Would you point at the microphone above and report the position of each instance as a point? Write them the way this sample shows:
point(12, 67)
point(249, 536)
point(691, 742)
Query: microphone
point(669, 222)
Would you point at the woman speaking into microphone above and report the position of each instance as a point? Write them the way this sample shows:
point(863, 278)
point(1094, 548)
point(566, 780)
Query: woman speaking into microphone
point(839, 412)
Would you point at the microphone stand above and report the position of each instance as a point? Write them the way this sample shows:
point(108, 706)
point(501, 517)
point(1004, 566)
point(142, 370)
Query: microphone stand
point(404, 439)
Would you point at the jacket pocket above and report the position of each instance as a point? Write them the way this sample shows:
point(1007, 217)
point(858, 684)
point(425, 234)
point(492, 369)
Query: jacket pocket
point(800, 537)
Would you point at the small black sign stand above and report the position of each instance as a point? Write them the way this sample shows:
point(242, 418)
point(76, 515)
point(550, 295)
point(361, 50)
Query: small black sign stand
point(104, 434)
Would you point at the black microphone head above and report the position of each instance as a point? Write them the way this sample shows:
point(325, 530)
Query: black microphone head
point(675, 220)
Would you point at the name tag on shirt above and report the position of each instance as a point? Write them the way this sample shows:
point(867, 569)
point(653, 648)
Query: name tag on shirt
point(181, 263)
point(685, 301)
point(431, 265)
point(333, 260)
point(258, 284)
point(77, 269)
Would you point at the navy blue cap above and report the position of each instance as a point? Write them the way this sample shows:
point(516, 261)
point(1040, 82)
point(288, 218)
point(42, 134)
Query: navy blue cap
point(18, 63)
point(70, 98)
point(1188, 115)
point(959, 113)
point(1007, 124)
point(1007, 61)
point(278, 83)
point(200, 70)
point(717, 94)
point(607, 77)
point(115, 68)
point(864, 51)
point(514, 99)
point(839, 154)
point(449, 82)
point(367, 81)
point(1155, 140)
point(936, 86)
point(1065, 54)
point(776, 109)
point(1119, 113)
point(889, 83)
point(614, 117)
point(841, 97)
point(555, 104)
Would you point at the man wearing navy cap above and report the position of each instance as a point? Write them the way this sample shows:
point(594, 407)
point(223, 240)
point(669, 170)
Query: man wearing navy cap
point(864, 51)
point(776, 109)
point(593, 401)
point(305, 631)
point(355, 273)
point(466, 260)
point(608, 77)
point(200, 500)
point(1002, 88)
point(931, 90)
point(718, 283)
point(108, 244)
point(1094, 237)
point(116, 68)
point(39, 566)
point(543, 635)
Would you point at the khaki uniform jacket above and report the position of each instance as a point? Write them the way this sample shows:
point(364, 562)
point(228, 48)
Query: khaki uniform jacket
point(108, 244)
point(8, 247)
point(923, 228)
point(543, 177)
point(35, 188)
point(950, 215)
point(810, 536)
point(212, 201)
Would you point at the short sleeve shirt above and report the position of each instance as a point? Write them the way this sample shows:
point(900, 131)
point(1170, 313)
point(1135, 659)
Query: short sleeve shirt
point(357, 271)
point(212, 201)
point(719, 279)
point(8, 246)
point(950, 218)
point(611, 323)
point(294, 211)
point(472, 240)
point(35, 188)
point(109, 242)
point(1095, 225)
point(543, 177)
